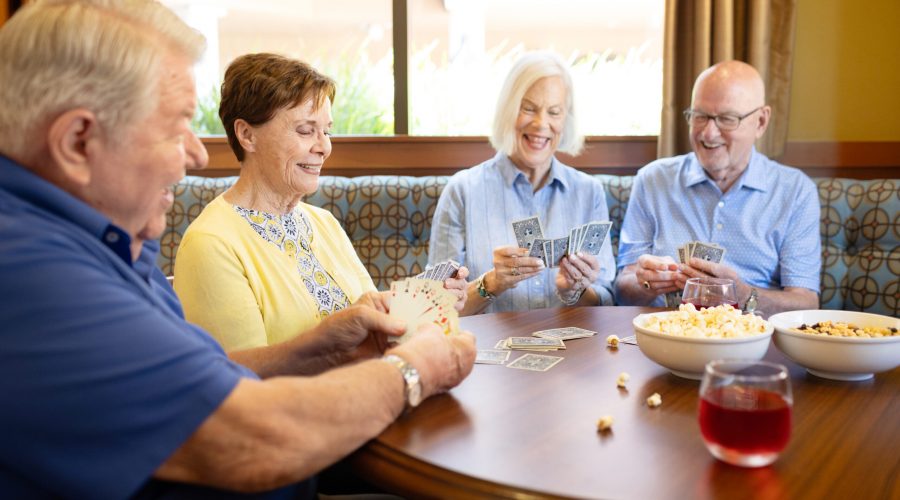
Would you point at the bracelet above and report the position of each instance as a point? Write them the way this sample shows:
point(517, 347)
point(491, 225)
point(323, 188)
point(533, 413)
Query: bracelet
point(571, 301)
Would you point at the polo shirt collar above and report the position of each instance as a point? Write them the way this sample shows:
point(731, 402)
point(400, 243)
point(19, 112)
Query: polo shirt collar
point(511, 173)
point(37, 191)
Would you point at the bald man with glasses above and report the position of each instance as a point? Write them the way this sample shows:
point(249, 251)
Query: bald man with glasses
point(765, 214)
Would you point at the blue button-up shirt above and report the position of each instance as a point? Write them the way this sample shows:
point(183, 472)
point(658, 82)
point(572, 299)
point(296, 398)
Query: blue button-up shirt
point(475, 212)
point(768, 221)
point(101, 377)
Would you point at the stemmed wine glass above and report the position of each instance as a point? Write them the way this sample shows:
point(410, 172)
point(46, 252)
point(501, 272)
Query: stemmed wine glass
point(709, 292)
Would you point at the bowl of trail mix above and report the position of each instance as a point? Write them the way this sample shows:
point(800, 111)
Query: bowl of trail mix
point(839, 345)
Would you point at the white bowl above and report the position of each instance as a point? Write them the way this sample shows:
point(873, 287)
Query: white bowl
point(687, 356)
point(838, 358)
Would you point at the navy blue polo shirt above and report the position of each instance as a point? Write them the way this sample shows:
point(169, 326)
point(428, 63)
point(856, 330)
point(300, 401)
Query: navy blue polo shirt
point(101, 378)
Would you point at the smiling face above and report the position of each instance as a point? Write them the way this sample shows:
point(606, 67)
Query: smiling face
point(540, 123)
point(132, 179)
point(729, 88)
point(290, 149)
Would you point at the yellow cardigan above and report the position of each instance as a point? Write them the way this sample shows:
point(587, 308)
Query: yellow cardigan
point(246, 292)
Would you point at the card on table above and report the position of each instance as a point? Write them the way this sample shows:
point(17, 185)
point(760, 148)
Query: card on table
point(566, 333)
point(534, 343)
point(492, 356)
point(535, 362)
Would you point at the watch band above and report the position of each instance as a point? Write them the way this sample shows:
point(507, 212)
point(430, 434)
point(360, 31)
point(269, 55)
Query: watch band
point(482, 291)
point(413, 386)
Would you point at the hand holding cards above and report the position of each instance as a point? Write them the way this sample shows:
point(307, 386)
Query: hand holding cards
point(587, 238)
point(440, 271)
point(423, 301)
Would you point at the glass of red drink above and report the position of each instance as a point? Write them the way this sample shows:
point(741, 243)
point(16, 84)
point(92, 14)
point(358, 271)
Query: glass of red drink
point(709, 292)
point(745, 411)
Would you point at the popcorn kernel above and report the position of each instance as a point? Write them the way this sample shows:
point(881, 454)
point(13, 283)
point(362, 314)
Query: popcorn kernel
point(613, 341)
point(623, 377)
point(605, 423)
point(654, 400)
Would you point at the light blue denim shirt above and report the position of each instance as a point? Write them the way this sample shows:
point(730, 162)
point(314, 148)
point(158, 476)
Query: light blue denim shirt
point(475, 212)
point(768, 221)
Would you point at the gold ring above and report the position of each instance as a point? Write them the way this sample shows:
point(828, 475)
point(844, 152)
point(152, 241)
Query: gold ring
point(647, 285)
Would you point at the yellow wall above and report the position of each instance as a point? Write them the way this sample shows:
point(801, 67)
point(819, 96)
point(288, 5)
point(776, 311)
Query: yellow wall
point(846, 82)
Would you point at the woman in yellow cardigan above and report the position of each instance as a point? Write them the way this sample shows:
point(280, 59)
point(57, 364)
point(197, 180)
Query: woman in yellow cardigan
point(258, 266)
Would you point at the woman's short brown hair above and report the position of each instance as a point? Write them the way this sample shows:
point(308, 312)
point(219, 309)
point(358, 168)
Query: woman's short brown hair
point(256, 86)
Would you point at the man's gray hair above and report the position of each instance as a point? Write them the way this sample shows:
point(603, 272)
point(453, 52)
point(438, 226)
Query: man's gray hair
point(528, 70)
point(101, 55)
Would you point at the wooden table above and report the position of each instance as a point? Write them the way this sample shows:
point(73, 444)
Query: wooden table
point(514, 433)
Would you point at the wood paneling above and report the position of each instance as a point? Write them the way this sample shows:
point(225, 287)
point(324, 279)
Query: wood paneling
point(404, 155)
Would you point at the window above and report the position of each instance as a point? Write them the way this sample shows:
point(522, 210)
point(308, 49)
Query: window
point(458, 52)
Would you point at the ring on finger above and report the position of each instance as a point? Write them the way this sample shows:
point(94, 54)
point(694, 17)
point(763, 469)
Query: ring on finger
point(646, 284)
point(515, 271)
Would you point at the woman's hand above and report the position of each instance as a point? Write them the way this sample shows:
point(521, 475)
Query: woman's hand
point(458, 286)
point(511, 265)
point(576, 273)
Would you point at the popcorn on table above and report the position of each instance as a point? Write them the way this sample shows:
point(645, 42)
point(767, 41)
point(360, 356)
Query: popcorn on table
point(654, 400)
point(605, 423)
point(623, 377)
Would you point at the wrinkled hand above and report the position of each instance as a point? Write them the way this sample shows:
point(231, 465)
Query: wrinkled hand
point(458, 286)
point(442, 361)
point(576, 273)
point(699, 268)
point(512, 265)
point(362, 330)
point(660, 274)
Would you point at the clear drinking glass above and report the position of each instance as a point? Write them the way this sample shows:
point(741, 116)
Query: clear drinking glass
point(709, 292)
point(745, 411)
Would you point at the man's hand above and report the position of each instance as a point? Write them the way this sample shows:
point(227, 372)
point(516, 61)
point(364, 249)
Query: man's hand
point(512, 265)
point(360, 331)
point(699, 268)
point(458, 286)
point(442, 361)
point(657, 275)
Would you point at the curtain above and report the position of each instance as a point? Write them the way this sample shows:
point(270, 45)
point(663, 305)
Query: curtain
point(700, 33)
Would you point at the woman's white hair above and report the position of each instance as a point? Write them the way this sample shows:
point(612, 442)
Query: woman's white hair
point(101, 55)
point(528, 70)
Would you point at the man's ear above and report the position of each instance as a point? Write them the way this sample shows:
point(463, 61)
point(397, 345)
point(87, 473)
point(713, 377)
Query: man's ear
point(763, 122)
point(69, 139)
point(245, 134)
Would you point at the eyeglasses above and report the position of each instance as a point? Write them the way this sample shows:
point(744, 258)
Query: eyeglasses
point(726, 122)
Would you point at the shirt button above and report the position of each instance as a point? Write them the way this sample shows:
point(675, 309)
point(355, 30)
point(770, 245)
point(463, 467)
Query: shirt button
point(721, 204)
point(718, 226)
point(112, 237)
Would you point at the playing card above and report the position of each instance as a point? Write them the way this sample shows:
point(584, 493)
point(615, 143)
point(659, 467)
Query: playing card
point(567, 333)
point(501, 344)
point(526, 230)
point(632, 339)
point(548, 252)
point(681, 254)
point(491, 356)
point(537, 248)
point(560, 247)
point(573, 240)
point(422, 301)
point(535, 362)
point(534, 343)
point(594, 235)
point(708, 251)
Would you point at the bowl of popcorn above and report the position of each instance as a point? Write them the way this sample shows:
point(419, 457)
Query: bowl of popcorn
point(839, 345)
point(685, 340)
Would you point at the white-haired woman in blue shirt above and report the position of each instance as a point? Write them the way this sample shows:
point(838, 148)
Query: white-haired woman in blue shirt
point(535, 118)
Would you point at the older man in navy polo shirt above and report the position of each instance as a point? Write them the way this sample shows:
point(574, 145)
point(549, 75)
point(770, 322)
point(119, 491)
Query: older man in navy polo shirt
point(107, 392)
point(765, 214)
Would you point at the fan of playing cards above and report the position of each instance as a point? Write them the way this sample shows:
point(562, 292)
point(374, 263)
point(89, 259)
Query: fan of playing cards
point(587, 238)
point(440, 271)
point(421, 301)
point(700, 250)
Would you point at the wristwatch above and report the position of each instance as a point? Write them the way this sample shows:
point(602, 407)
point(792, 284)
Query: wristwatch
point(482, 291)
point(413, 391)
point(751, 303)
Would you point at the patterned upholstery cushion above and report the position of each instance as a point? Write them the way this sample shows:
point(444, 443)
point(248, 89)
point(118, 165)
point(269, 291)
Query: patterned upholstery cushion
point(388, 219)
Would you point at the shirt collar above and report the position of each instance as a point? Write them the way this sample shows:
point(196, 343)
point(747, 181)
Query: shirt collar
point(511, 173)
point(34, 190)
point(753, 177)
